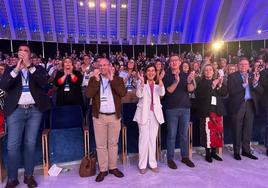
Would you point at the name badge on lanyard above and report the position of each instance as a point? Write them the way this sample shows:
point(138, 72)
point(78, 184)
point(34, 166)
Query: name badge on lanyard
point(25, 82)
point(104, 97)
point(67, 87)
point(104, 100)
point(213, 100)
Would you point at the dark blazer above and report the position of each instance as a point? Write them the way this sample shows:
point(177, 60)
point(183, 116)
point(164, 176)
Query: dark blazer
point(264, 83)
point(204, 93)
point(72, 97)
point(13, 87)
point(118, 91)
point(237, 92)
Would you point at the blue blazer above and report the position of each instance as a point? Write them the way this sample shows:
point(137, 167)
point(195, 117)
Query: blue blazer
point(13, 88)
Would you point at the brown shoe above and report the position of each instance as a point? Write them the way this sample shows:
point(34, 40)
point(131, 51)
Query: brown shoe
point(188, 162)
point(116, 173)
point(100, 177)
point(12, 184)
point(30, 181)
point(156, 169)
point(143, 171)
point(172, 164)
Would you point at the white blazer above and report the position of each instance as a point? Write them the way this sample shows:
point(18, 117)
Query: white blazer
point(143, 106)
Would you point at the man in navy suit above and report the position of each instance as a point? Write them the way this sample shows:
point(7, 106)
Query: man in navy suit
point(244, 89)
point(25, 101)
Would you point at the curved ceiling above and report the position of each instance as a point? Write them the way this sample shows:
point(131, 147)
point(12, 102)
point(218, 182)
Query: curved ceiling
point(133, 21)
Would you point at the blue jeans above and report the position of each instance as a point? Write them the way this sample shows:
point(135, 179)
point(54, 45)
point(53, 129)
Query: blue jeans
point(266, 127)
point(21, 121)
point(173, 117)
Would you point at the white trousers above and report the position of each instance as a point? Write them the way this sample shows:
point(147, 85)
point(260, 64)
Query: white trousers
point(147, 142)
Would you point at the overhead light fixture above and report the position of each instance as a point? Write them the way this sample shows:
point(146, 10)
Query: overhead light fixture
point(81, 3)
point(103, 5)
point(123, 6)
point(217, 45)
point(113, 6)
point(259, 31)
point(91, 4)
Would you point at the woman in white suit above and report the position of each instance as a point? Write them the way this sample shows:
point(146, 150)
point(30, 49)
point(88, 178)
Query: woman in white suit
point(149, 115)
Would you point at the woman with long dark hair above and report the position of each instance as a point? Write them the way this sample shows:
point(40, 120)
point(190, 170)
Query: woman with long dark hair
point(209, 94)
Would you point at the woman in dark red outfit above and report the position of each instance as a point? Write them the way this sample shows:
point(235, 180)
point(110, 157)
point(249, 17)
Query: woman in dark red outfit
point(209, 94)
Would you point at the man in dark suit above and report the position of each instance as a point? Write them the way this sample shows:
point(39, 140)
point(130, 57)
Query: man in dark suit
point(264, 99)
point(243, 88)
point(25, 101)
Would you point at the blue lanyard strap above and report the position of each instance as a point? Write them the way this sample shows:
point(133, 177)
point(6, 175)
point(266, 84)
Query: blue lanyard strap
point(26, 79)
point(102, 85)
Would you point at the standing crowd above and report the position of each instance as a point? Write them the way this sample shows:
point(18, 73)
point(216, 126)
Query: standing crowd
point(166, 88)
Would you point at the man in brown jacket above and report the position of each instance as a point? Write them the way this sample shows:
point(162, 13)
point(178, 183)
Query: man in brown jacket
point(106, 91)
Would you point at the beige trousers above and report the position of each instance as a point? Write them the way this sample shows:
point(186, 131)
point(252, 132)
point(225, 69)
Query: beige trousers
point(107, 130)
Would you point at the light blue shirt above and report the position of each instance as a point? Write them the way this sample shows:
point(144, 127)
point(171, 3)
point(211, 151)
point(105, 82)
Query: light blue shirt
point(247, 90)
point(106, 96)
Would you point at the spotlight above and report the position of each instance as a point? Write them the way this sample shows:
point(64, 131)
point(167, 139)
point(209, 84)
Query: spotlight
point(91, 4)
point(113, 6)
point(81, 3)
point(217, 45)
point(103, 5)
point(152, 43)
point(259, 31)
point(123, 6)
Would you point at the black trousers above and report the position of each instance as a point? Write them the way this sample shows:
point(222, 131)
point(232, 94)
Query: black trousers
point(242, 127)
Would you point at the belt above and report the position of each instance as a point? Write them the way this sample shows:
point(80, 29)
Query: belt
point(107, 114)
point(25, 106)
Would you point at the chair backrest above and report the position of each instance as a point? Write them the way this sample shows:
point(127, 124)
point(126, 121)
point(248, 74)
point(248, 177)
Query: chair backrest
point(64, 117)
point(128, 112)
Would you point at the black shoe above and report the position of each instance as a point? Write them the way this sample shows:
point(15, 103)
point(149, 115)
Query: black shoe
point(12, 184)
point(249, 155)
point(30, 181)
point(237, 156)
point(267, 151)
point(172, 164)
point(214, 155)
point(100, 177)
point(208, 155)
point(116, 173)
point(208, 158)
point(188, 162)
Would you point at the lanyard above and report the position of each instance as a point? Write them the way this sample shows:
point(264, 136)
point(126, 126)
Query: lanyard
point(26, 79)
point(102, 85)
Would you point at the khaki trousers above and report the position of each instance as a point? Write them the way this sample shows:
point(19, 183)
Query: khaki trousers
point(107, 130)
